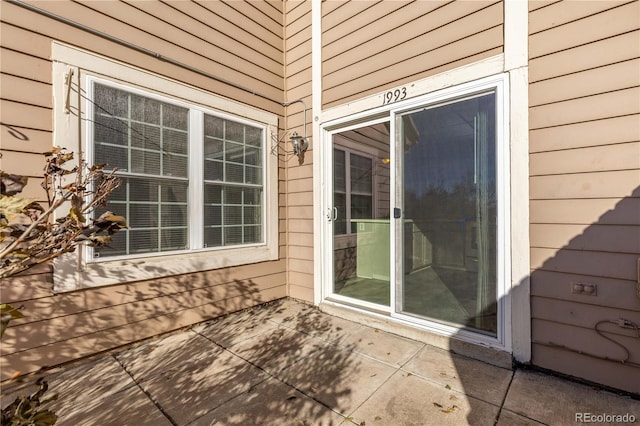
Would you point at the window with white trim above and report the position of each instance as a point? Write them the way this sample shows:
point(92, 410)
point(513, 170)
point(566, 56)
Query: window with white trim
point(146, 139)
point(199, 179)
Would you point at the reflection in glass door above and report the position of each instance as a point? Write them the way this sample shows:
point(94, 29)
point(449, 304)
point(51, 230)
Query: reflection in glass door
point(447, 179)
point(361, 183)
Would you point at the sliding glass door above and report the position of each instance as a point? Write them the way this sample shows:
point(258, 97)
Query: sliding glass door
point(414, 212)
point(447, 185)
point(360, 214)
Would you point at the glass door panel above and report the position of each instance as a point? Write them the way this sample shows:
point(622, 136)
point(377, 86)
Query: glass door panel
point(361, 234)
point(447, 181)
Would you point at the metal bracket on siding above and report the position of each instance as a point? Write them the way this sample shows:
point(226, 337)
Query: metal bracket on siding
point(67, 99)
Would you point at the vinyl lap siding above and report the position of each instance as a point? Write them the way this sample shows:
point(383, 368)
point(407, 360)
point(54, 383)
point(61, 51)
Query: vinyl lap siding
point(299, 183)
point(371, 46)
point(240, 42)
point(585, 185)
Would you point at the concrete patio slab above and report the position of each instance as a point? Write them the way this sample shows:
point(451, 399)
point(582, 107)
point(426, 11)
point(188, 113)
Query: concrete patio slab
point(382, 346)
point(127, 407)
point(340, 379)
point(165, 353)
point(233, 329)
point(562, 402)
point(406, 399)
point(277, 349)
point(271, 403)
point(193, 389)
point(474, 378)
point(285, 363)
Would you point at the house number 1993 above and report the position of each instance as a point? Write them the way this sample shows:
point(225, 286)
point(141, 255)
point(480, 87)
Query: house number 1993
point(394, 95)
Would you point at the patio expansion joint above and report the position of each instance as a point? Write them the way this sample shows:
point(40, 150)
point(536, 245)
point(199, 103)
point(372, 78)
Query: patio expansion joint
point(147, 394)
point(504, 397)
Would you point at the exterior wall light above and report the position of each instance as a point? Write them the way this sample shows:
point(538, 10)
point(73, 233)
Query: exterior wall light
point(300, 145)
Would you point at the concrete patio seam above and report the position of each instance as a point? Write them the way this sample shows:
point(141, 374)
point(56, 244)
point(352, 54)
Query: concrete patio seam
point(504, 398)
point(153, 401)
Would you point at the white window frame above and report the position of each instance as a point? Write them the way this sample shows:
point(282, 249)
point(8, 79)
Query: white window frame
point(79, 269)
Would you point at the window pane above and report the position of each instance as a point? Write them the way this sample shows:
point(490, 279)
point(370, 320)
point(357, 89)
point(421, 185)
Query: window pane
point(213, 149)
point(233, 215)
point(339, 170)
point(110, 130)
point(175, 141)
point(213, 194)
point(232, 235)
point(175, 117)
point(143, 215)
point(213, 237)
point(252, 234)
point(110, 101)
point(152, 207)
point(234, 173)
point(233, 131)
point(143, 241)
point(212, 215)
point(145, 136)
point(361, 174)
point(145, 109)
point(174, 239)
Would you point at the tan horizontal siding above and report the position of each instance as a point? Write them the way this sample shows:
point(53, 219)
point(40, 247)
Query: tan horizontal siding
point(16, 138)
point(362, 86)
point(598, 264)
point(586, 83)
point(14, 63)
point(564, 12)
point(45, 330)
point(126, 22)
point(611, 292)
point(576, 365)
point(610, 104)
point(421, 39)
point(257, 38)
point(105, 340)
point(299, 184)
point(26, 91)
point(608, 238)
point(606, 211)
point(404, 37)
point(609, 130)
point(30, 21)
point(609, 23)
point(23, 115)
point(584, 98)
point(585, 315)
point(349, 26)
point(607, 51)
point(586, 185)
point(198, 27)
point(623, 156)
